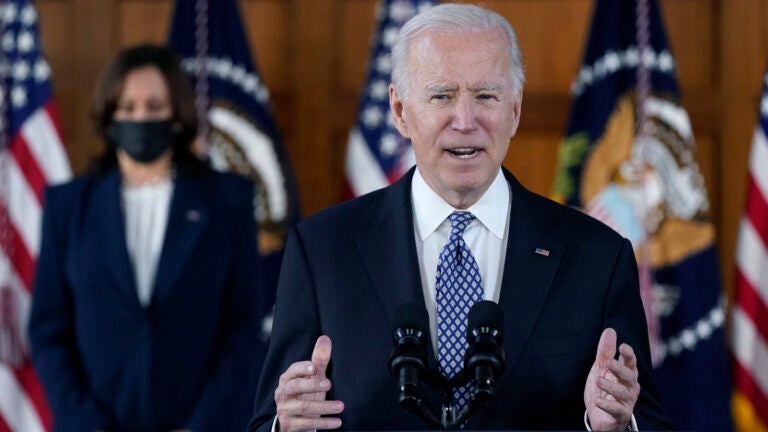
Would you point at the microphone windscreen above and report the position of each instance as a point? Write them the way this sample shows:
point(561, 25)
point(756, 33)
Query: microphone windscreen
point(412, 315)
point(485, 314)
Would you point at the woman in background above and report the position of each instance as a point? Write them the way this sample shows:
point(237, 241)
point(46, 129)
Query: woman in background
point(147, 296)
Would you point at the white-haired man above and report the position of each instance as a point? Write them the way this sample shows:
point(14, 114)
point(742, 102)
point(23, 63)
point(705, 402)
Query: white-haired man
point(567, 284)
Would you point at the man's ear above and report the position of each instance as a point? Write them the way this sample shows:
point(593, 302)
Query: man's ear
point(398, 111)
point(518, 112)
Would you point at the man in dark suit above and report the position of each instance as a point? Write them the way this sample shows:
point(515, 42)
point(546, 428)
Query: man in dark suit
point(457, 229)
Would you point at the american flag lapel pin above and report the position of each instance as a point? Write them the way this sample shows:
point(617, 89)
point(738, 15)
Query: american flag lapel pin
point(193, 215)
point(542, 252)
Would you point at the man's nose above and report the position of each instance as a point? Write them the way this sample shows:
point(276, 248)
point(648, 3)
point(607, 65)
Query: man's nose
point(464, 115)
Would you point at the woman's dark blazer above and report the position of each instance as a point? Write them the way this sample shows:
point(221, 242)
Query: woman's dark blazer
point(191, 358)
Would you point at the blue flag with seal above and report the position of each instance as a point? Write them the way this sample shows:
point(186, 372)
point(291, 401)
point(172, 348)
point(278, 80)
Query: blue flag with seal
point(240, 132)
point(628, 159)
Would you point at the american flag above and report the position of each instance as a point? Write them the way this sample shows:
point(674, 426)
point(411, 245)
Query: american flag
point(376, 153)
point(749, 319)
point(31, 156)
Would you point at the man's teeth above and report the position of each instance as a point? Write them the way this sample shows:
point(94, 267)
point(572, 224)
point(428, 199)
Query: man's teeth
point(464, 152)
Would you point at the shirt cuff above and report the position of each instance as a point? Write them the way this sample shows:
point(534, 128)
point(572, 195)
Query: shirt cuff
point(632, 422)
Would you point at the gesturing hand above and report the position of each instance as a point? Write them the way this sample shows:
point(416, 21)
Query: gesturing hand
point(300, 395)
point(612, 388)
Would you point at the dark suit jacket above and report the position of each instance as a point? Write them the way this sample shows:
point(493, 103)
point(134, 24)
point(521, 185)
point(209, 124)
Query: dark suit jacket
point(191, 358)
point(348, 268)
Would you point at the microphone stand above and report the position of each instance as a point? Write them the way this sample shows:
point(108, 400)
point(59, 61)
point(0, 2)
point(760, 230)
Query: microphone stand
point(411, 399)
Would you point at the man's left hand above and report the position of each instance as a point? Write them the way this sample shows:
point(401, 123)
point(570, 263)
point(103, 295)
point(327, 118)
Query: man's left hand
point(612, 387)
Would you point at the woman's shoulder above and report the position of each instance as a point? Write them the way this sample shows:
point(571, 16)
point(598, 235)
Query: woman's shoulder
point(227, 189)
point(232, 179)
point(64, 201)
point(72, 190)
point(232, 186)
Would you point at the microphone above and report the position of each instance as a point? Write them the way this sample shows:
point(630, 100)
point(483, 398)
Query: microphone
point(408, 361)
point(484, 360)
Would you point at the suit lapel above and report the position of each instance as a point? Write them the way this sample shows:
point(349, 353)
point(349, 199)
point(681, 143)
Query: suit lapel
point(390, 244)
point(388, 249)
point(531, 262)
point(527, 276)
point(108, 217)
point(188, 216)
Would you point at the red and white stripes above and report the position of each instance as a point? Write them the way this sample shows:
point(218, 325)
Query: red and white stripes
point(35, 157)
point(362, 170)
point(749, 320)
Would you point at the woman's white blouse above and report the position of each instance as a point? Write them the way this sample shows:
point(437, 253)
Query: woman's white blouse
point(146, 217)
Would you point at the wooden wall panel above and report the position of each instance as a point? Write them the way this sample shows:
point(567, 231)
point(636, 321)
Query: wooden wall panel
point(551, 34)
point(57, 40)
point(143, 21)
point(691, 30)
point(55, 21)
point(76, 42)
point(356, 25)
point(317, 158)
point(312, 56)
point(267, 24)
point(532, 157)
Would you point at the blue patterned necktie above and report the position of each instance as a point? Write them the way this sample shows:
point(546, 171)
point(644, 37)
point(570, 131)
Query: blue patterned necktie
point(458, 287)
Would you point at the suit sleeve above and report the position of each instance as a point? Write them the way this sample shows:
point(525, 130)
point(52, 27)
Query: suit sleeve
point(624, 312)
point(295, 330)
point(226, 400)
point(51, 329)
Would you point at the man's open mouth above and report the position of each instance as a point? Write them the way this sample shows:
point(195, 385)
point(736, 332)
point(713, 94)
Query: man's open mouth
point(464, 153)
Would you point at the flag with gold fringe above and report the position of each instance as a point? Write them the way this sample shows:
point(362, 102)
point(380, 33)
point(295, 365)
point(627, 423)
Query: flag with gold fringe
point(749, 315)
point(628, 159)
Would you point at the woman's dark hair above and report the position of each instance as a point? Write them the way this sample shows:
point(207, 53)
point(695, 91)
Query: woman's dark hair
point(107, 95)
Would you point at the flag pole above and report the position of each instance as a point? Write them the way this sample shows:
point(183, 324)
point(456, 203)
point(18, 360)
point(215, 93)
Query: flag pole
point(642, 140)
point(201, 74)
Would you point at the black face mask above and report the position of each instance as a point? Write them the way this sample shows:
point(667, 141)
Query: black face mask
point(143, 141)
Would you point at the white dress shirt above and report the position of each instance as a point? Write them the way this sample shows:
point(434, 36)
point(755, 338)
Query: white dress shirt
point(146, 217)
point(486, 236)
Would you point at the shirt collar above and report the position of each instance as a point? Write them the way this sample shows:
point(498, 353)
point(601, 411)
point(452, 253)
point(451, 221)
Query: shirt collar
point(431, 210)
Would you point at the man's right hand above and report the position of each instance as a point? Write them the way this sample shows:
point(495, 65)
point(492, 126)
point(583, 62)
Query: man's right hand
point(300, 396)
